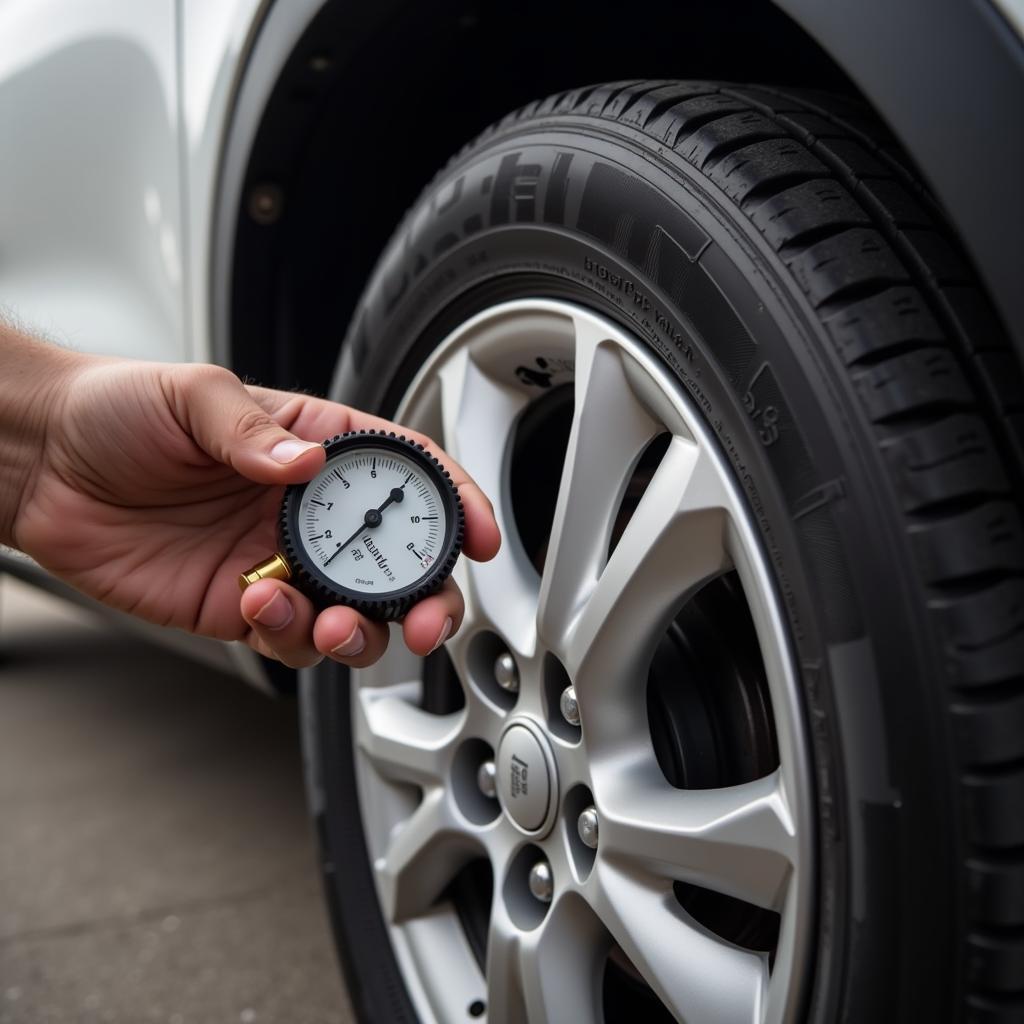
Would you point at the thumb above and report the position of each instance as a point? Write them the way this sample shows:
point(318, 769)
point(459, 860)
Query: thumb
point(225, 421)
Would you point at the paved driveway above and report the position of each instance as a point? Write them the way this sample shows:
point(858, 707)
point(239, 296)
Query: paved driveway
point(155, 859)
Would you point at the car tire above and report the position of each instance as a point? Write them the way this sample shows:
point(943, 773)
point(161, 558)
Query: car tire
point(776, 256)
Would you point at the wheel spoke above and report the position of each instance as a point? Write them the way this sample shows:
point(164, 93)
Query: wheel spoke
point(700, 978)
point(504, 982)
point(738, 840)
point(610, 430)
point(404, 742)
point(479, 415)
point(560, 964)
point(674, 542)
point(423, 856)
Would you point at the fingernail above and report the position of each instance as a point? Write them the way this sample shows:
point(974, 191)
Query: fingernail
point(276, 613)
point(446, 630)
point(354, 645)
point(288, 451)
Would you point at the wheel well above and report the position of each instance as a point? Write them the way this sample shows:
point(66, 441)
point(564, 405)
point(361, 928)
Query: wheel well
point(369, 105)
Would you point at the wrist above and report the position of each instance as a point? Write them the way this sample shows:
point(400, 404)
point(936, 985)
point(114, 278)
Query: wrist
point(33, 376)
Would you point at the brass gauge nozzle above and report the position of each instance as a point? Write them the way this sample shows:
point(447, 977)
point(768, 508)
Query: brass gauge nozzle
point(274, 568)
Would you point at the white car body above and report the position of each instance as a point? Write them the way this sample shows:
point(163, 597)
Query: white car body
point(135, 95)
point(112, 116)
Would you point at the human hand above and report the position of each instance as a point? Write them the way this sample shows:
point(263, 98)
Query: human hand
point(157, 484)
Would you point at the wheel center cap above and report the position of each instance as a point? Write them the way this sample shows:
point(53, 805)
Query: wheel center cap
point(527, 782)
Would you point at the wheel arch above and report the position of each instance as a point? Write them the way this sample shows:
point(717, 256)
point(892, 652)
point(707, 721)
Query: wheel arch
point(948, 79)
point(278, 315)
point(326, 149)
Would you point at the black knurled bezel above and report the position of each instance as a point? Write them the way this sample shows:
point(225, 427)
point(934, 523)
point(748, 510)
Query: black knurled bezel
point(390, 606)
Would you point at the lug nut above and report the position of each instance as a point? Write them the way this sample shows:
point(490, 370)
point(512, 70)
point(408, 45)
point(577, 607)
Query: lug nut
point(542, 885)
point(586, 826)
point(486, 779)
point(506, 672)
point(569, 706)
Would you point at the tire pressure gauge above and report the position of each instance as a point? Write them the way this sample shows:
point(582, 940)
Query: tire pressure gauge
point(378, 528)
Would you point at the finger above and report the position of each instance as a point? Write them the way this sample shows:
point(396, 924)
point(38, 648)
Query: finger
point(282, 619)
point(224, 419)
point(344, 635)
point(483, 535)
point(434, 619)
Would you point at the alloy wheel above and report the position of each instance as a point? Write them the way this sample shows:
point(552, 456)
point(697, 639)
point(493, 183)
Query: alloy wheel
point(602, 783)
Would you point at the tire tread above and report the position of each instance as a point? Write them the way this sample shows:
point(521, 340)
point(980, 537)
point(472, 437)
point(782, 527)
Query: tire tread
point(827, 188)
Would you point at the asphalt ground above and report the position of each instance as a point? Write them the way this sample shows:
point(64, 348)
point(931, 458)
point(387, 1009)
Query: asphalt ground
point(156, 862)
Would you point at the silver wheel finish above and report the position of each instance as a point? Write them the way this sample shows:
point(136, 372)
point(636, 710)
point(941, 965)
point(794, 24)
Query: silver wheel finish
point(600, 616)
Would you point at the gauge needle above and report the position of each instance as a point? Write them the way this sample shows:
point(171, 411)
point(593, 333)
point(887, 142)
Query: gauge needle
point(371, 518)
point(341, 547)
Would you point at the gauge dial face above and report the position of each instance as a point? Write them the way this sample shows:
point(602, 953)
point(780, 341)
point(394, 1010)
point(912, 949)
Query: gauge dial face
point(372, 521)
